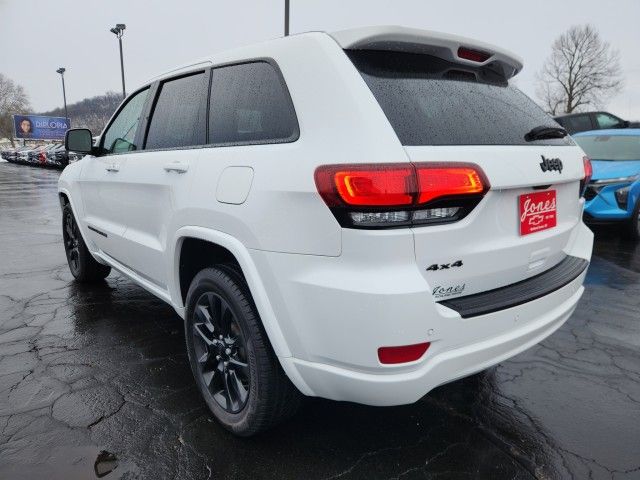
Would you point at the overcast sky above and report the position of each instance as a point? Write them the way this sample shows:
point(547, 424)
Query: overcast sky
point(38, 36)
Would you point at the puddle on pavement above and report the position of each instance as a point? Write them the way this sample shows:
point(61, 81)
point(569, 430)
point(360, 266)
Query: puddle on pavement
point(105, 464)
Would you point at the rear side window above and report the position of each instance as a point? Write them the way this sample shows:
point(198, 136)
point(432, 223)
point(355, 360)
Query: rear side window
point(250, 104)
point(430, 101)
point(179, 115)
point(578, 123)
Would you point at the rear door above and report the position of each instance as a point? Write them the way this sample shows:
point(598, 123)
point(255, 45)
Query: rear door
point(447, 113)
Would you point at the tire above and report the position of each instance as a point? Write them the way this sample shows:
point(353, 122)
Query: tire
point(231, 358)
point(83, 266)
point(633, 226)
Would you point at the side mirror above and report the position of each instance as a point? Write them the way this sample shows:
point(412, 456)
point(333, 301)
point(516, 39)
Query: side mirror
point(626, 124)
point(78, 140)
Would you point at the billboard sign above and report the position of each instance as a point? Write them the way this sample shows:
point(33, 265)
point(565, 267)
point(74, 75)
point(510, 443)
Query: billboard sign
point(38, 127)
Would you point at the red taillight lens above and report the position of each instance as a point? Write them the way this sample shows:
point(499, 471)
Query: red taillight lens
point(404, 354)
point(473, 55)
point(376, 186)
point(437, 182)
point(400, 194)
point(588, 173)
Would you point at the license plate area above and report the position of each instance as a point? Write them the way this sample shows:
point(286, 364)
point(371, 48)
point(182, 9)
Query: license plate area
point(537, 211)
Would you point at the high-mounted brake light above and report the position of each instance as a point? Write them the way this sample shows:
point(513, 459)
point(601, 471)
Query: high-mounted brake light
point(400, 194)
point(473, 55)
point(588, 173)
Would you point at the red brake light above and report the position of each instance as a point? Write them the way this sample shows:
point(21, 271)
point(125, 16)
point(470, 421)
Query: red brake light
point(376, 186)
point(437, 182)
point(404, 354)
point(473, 55)
point(400, 194)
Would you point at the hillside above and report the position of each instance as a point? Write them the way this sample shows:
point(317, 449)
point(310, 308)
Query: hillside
point(92, 113)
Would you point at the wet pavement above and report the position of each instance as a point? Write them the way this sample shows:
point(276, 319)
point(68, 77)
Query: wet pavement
point(94, 383)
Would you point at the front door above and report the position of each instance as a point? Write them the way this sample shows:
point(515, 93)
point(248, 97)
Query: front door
point(101, 177)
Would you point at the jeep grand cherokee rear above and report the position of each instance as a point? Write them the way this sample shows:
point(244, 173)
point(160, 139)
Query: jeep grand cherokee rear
point(367, 215)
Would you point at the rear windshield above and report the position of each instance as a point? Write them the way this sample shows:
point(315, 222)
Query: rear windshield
point(430, 101)
point(611, 147)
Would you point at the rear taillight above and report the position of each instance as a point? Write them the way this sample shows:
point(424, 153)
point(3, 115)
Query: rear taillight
point(588, 173)
point(396, 195)
point(42, 157)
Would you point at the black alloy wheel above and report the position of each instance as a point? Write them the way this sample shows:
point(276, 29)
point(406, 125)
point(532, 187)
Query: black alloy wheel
point(71, 237)
point(82, 265)
point(221, 353)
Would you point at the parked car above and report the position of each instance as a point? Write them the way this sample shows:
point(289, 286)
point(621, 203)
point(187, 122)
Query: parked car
point(11, 155)
point(58, 156)
point(24, 154)
point(613, 194)
point(364, 234)
point(580, 122)
point(8, 154)
point(35, 155)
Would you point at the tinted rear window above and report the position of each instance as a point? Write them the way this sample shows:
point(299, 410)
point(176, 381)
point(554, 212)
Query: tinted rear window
point(430, 101)
point(577, 123)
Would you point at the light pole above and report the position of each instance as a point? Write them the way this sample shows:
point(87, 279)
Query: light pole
point(286, 18)
point(61, 71)
point(118, 31)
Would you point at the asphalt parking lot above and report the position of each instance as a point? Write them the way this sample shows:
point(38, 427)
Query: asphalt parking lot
point(94, 381)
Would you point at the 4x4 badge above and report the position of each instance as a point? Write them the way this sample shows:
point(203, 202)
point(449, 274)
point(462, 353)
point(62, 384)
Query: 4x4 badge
point(443, 266)
point(548, 164)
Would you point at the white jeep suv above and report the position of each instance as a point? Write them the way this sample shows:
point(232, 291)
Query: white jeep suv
point(359, 216)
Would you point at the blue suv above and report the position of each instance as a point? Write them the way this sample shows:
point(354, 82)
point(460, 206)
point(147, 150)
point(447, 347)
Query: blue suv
point(613, 194)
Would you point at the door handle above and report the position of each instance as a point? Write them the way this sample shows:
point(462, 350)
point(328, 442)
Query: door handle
point(176, 167)
point(114, 167)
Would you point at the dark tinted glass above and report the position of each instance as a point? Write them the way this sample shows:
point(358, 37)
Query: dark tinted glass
point(179, 116)
point(430, 101)
point(250, 104)
point(578, 123)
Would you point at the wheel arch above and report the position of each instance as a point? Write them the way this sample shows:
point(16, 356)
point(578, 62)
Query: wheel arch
point(64, 197)
point(223, 242)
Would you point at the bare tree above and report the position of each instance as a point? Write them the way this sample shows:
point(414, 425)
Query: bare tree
point(13, 100)
point(582, 71)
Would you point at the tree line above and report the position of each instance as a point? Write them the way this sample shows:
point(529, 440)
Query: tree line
point(92, 113)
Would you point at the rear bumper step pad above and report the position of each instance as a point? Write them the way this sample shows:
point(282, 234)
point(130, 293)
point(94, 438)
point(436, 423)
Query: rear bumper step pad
point(521, 292)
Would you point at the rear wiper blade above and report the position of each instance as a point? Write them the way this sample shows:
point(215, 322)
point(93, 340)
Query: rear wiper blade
point(542, 132)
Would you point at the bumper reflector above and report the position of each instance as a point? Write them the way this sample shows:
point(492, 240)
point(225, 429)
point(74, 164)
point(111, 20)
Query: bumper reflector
point(403, 354)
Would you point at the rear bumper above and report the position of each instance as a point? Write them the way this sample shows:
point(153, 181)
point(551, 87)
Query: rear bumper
point(408, 387)
point(335, 312)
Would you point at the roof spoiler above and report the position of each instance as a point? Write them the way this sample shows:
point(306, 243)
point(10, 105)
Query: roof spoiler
point(453, 48)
